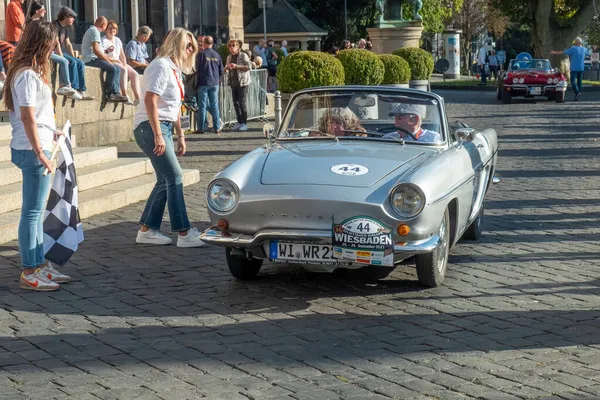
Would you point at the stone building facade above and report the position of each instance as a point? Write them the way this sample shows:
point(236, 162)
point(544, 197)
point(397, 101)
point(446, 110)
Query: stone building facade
point(220, 18)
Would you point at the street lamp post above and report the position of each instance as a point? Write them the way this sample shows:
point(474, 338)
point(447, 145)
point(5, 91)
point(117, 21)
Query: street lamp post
point(265, 18)
point(346, 19)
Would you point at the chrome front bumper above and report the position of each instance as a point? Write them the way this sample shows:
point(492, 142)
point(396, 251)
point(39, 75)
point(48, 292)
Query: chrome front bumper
point(546, 88)
point(229, 239)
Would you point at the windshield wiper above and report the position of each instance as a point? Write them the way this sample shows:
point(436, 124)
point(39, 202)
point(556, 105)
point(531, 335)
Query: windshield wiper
point(375, 133)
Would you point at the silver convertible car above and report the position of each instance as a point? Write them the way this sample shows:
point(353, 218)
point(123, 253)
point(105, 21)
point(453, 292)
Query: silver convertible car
point(355, 176)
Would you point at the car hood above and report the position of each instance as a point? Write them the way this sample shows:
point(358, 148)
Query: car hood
point(533, 73)
point(351, 163)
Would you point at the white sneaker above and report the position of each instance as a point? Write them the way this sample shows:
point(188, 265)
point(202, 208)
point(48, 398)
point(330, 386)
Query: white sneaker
point(85, 96)
point(243, 128)
point(192, 239)
point(136, 102)
point(75, 95)
point(236, 126)
point(152, 237)
point(129, 102)
point(65, 91)
point(38, 282)
point(52, 274)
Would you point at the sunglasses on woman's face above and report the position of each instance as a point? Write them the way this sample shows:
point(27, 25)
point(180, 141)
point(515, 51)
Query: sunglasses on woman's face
point(190, 46)
point(232, 45)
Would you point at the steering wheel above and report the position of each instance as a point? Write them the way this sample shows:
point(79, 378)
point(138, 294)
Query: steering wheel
point(390, 129)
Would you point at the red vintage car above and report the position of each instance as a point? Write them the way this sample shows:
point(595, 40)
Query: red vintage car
point(531, 78)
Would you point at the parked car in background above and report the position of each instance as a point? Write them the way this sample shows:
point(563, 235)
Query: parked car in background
point(343, 183)
point(531, 78)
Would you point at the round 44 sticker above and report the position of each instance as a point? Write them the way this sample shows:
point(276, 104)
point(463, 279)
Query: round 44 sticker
point(349, 169)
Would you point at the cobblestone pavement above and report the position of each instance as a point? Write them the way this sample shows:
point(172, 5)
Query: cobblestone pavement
point(517, 317)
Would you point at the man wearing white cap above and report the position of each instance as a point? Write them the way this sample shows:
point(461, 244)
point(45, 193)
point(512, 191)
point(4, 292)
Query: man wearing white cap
point(408, 119)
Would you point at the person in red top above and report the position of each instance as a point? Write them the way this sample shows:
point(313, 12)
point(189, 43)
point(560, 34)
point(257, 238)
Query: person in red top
point(15, 21)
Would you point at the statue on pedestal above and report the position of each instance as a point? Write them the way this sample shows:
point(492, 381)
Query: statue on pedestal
point(395, 11)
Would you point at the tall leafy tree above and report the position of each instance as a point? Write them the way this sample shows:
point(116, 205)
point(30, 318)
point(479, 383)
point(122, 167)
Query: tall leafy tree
point(554, 23)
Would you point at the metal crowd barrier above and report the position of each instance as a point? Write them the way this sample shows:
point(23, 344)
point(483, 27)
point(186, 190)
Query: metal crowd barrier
point(256, 99)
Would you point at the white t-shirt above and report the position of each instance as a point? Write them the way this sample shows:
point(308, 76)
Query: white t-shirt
point(29, 90)
point(118, 46)
point(163, 78)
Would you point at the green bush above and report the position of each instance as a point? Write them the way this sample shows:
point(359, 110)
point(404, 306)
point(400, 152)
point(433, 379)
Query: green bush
point(362, 67)
point(223, 51)
point(419, 60)
point(306, 69)
point(397, 69)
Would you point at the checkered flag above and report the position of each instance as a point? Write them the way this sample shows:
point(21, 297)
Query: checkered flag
point(63, 230)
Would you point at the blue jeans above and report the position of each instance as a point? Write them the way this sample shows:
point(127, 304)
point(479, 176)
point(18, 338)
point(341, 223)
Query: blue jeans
point(76, 72)
point(113, 76)
point(168, 189)
point(210, 95)
point(36, 188)
point(576, 77)
point(63, 71)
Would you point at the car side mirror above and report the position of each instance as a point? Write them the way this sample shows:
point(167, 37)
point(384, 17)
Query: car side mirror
point(269, 131)
point(465, 134)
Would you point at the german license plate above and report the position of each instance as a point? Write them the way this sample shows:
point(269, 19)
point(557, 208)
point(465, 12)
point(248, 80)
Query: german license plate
point(535, 90)
point(303, 253)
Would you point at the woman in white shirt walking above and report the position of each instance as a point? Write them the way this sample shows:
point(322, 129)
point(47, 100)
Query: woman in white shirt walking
point(156, 117)
point(114, 51)
point(28, 97)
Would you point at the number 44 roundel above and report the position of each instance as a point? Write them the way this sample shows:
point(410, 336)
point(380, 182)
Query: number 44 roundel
point(349, 169)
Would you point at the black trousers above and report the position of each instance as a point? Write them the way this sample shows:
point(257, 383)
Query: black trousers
point(239, 103)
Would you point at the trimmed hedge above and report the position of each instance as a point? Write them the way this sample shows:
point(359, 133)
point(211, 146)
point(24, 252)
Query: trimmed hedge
point(362, 67)
point(306, 69)
point(397, 69)
point(223, 51)
point(419, 60)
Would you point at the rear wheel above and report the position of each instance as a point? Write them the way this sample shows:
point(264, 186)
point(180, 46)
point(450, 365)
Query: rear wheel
point(473, 232)
point(506, 96)
point(431, 267)
point(560, 97)
point(240, 266)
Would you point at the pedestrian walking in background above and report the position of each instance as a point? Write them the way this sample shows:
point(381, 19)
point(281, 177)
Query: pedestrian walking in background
point(481, 61)
point(155, 120)
point(94, 55)
point(28, 98)
point(493, 63)
point(238, 69)
point(576, 55)
point(136, 51)
point(260, 51)
point(284, 45)
point(15, 21)
point(114, 52)
point(209, 70)
point(272, 62)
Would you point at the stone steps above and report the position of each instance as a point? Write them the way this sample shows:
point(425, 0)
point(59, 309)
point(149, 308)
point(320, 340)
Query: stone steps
point(105, 183)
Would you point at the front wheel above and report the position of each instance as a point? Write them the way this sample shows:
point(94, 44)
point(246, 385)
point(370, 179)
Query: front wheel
point(506, 96)
point(431, 267)
point(473, 232)
point(560, 97)
point(241, 267)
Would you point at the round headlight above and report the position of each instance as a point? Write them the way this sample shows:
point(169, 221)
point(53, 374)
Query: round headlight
point(521, 80)
point(515, 80)
point(222, 196)
point(549, 80)
point(407, 200)
point(555, 80)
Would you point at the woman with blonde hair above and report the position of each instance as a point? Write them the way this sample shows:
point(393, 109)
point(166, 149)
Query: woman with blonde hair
point(156, 117)
point(28, 98)
point(114, 51)
point(339, 120)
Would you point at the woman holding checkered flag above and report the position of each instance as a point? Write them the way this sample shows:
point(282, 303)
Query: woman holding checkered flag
point(28, 97)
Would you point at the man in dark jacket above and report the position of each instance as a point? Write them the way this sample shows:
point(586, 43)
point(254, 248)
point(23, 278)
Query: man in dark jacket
point(209, 69)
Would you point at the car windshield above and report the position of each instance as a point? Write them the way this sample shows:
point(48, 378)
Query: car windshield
point(364, 115)
point(530, 64)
